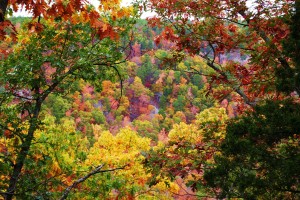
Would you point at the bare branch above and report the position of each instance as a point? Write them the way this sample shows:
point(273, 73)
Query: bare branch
point(212, 47)
point(67, 191)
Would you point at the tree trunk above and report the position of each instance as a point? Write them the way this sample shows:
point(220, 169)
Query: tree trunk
point(23, 153)
point(3, 6)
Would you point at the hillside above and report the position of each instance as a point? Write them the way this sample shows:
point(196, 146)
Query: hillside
point(200, 102)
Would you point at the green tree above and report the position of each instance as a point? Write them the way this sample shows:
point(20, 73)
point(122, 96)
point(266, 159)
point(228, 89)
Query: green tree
point(48, 55)
point(289, 78)
point(260, 154)
point(147, 72)
point(177, 75)
point(179, 103)
point(58, 106)
point(163, 102)
point(196, 79)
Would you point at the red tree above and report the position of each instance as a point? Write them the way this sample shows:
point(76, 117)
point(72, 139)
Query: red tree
point(229, 28)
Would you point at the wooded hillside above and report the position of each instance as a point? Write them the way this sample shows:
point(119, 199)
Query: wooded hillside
point(200, 101)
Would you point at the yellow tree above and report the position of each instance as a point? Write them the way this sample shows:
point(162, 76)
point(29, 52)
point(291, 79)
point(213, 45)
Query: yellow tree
point(190, 149)
point(57, 163)
point(124, 151)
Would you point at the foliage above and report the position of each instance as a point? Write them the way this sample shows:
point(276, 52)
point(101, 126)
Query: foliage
point(260, 154)
point(207, 103)
point(55, 163)
point(147, 72)
point(125, 149)
point(252, 58)
point(288, 78)
point(70, 42)
point(189, 149)
point(59, 106)
point(216, 29)
point(122, 150)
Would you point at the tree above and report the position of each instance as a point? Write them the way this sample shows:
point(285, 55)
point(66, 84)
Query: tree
point(189, 150)
point(71, 41)
point(121, 150)
point(267, 141)
point(261, 147)
point(213, 29)
point(287, 79)
point(3, 6)
point(54, 160)
point(179, 103)
point(196, 79)
point(260, 154)
point(147, 72)
point(59, 106)
point(125, 149)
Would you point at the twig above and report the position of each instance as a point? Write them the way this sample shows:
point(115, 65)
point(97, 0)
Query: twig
point(230, 20)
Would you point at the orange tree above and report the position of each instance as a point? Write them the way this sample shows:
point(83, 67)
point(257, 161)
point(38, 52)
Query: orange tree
point(64, 41)
point(253, 49)
point(240, 40)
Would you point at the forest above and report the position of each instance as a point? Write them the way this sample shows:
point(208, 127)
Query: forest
point(199, 100)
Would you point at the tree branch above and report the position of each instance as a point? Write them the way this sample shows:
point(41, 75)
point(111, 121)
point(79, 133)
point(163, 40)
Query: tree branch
point(237, 90)
point(67, 191)
point(230, 20)
point(95, 171)
point(3, 6)
point(57, 82)
point(267, 40)
point(118, 73)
